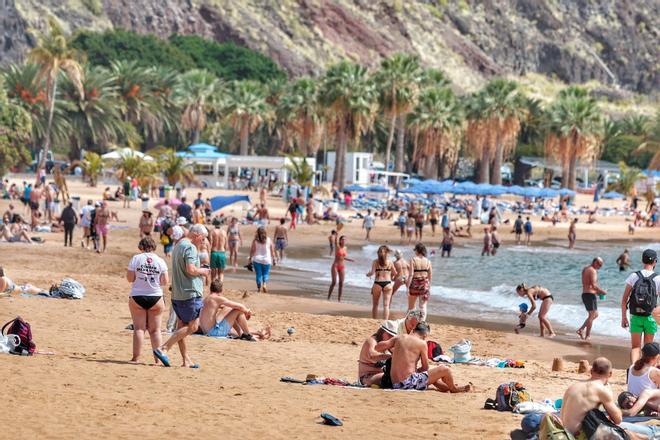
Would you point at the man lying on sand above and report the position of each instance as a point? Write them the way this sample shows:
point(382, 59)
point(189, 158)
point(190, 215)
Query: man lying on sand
point(581, 401)
point(219, 315)
point(371, 362)
point(7, 286)
point(407, 350)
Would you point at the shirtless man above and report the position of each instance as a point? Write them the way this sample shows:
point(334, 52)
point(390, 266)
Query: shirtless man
point(434, 217)
point(281, 239)
point(590, 289)
point(101, 224)
point(583, 397)
point(623, 261)
point(407, 351)
point(219, 316)
point(218, 238)
point(371, 362)
point(571, 234)
point(35, 198)
point(262, 216)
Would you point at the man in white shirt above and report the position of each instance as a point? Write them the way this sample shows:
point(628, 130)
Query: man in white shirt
point(641, 320)
point(368, 223)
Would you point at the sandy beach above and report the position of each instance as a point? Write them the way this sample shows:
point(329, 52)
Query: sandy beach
point(87, 388)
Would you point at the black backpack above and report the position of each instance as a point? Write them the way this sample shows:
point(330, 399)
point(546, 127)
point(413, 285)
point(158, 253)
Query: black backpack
point(644, 297)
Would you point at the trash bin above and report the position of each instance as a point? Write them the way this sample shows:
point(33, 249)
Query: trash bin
point(75, 200)
point(161, 191)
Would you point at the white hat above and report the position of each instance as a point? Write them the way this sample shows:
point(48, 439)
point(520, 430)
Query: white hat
point(177, 233)
point(390, 327)
point(181, 221)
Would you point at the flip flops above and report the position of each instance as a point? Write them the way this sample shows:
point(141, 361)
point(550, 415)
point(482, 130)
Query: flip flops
point(331, 420)
point(194, 366)
point(161, 357)
point(248, 337)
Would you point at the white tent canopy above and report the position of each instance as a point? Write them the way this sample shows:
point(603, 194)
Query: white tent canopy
point(119, 152)
point(278, 163)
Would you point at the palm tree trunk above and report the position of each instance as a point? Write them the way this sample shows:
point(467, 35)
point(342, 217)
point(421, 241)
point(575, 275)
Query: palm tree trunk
point(390, 139)
point(341, 174)
point(400, 142)
point(496, 170)
point(244, 137)
point(484, 165)
point(49, 127)
point(195, 137)
point(572, 168)
point(431, 167)
point(338, 141)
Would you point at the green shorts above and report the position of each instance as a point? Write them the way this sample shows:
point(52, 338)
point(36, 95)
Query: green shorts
point(643, 324)
point(218, 260)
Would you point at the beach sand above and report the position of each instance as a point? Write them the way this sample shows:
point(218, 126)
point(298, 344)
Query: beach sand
point(87, 389)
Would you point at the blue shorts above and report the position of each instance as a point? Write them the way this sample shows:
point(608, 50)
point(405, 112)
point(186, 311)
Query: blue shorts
point(220, 330)
point(187, 310)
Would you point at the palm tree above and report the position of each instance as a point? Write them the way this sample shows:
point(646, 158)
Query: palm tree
point(574, 130)
point(53, 55)
point(301, 113)
point(628, 178)
point(349, 96)
point(652, 142)
point(174, 168)
point(247, 109)
point(196, 90)
point(15, 129)
point(436, 121)
point(398, 79)
point(92, 166)
point(300, 171)
point(130, 164)
point(494, 121)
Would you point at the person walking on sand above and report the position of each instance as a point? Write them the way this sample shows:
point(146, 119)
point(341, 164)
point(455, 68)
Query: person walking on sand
point(528, 231)
point(590, 289)
point(407, 351)
point(402, 273)
point(384, 272)
point(281, 238)
point(234, 240)
point(293, 212)
point(218, 238)
point(262, 257)
point(487, 242)
point(535, 293)
point(571, 234)
point(69, 218)
point(337, 270)
point(101, 224)
point(368, 223)
point(641, 297)
point(147, 273)
point(623, 261)
point(419, 283)
point(187, 293)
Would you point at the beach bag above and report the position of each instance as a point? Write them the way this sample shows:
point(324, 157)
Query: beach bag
point(552, 429)
point(509, 395)
point(68, 289)
point(643, 298)
point(597, 426)
point(21, 329)
point(434, 350)
point(461, 351)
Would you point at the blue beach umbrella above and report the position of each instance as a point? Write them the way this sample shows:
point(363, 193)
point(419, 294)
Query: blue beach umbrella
point(613, 195)
point(220, 202)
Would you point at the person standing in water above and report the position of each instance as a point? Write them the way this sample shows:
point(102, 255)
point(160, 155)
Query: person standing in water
point(281, 238)
point(571, 234)
point(590, 289)
point(538, 293)
point(528, 231)
point(419, 283)
point(487, 242)
point(447, 242)
point(518, 229)
point(385, 273)
point(419, 224)
point(234, 240)
point(337, 270)
point(402, 271)
point(495, 240)
point(623, 261)
point(434, 217)
point(218, 239)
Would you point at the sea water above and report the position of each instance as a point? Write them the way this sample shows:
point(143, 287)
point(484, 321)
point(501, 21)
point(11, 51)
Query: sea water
point(473, 287)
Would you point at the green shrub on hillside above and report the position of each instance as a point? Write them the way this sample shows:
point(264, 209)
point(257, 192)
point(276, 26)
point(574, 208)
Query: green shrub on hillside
point(228, 61)
point(104, 47)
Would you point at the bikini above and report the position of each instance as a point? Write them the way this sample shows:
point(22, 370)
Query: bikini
point(383, 284)
point(341, 252)
point(233, 236)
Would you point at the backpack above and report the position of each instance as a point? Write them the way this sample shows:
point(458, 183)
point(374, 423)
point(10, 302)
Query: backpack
point(510, 394)
point(434, 350)
point(552, 429)
point(21, 329)
point(596, 425)
point(68, 289)
point(643, 298)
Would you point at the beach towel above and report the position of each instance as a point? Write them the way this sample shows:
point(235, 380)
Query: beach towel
point(533, 407)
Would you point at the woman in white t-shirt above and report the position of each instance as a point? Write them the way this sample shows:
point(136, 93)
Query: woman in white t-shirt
point(262, 257)
point(148, 273)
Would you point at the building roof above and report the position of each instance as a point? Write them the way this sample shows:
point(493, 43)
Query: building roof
point(202, 151)
point(599, 165)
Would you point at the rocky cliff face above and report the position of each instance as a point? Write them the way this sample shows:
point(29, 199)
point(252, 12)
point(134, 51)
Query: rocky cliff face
point(613, 41)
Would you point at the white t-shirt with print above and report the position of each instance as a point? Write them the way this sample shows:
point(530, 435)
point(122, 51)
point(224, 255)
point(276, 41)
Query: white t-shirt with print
point(148, 268)
point(632, 279)
point(369, 221)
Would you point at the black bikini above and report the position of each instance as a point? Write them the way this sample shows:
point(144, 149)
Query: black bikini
point(383, 284)
point(146, 302)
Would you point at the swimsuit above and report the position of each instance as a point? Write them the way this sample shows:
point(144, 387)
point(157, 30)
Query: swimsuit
point(280, 243)
point(384, 283)
point(590, 302)
point(340, 253)
point(218, 260)
point(233, 236)
point(146, 302)
point(416, 381)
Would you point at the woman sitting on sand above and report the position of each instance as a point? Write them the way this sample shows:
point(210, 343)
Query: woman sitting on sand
point(262, 256)
point(385, 272)
point(234, 239)
point(338, 268)
point(643, 383)
point(419, 284)
point(538, 293)
point(148, 274)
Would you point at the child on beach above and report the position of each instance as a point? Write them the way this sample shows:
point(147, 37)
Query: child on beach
point(522, 318)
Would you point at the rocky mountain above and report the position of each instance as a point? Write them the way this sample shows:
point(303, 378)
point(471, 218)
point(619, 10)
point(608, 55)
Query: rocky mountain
point(615, 42)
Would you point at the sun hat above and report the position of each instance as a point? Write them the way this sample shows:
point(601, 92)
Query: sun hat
point(181, 221)
point(390, 327)
point(177, 232)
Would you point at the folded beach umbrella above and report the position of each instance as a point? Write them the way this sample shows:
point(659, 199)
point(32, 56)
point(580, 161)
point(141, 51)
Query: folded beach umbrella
point(613, 195)
point(219, 202)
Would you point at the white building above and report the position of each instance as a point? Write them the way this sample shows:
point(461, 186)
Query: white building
point(358, 167)
point(278, 165)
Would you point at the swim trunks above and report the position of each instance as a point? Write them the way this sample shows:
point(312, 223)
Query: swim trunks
point(433, 221)
point(643, 324)
point(416, 381)
point(218, 260)
point(590, 301)
point(280, 243)
point(101, 229)
point(446, 248)
point(220, 330)
point(187, 310)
